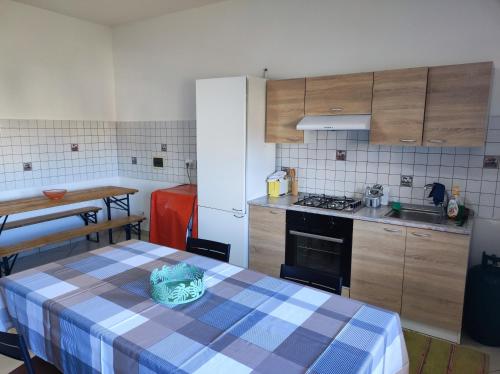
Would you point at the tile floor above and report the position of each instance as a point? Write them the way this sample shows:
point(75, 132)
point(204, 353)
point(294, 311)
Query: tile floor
point(74, 248)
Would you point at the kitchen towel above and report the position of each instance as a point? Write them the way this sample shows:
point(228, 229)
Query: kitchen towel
point(437, 193)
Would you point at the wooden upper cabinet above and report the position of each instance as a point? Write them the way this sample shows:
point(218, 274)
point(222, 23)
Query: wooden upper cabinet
point(339, 94)
point(457, 105)
point(398, 106)
point(434, 278)
point(284, 110)
point(378, 252)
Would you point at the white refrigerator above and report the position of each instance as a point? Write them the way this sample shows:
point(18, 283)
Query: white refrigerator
point(233, 160)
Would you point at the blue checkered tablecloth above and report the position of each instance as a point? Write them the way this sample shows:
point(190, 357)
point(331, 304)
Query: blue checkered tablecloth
point(92, 314)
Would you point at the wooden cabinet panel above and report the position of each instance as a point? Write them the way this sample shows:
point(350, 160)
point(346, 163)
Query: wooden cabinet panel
point(398, 106)
point(377, 264)
point(434, 278)
point(267, 240)
point(284, 110)
point(457, 105)
point(339, 94)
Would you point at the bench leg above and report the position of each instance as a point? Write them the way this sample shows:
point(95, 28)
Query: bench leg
point(128, 232)
point(90, 217)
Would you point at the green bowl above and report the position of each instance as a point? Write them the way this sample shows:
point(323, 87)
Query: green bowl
point(178, 284)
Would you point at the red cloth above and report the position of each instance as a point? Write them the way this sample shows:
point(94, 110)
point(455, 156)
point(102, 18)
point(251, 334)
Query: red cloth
point(171, 211)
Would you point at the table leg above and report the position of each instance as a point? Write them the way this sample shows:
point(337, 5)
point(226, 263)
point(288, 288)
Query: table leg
point(7, 267)
point(90, 217)
point(108, 207)
point(114, 202)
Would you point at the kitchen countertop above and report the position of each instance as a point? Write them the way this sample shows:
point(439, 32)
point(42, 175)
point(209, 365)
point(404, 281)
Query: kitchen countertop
point(364, 214)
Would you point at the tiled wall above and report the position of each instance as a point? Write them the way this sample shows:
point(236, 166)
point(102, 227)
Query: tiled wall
point(105, 149)
point(319, 172)
point(144, 140)
point(47, 145)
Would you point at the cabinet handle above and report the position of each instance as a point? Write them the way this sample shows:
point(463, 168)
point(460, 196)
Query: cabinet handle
point(420, 235)
point(273, 212)
point(236, 216)
point(237, 210)
point(407, 140)
point(338, 109)
point(391, 230)
point(437, 141)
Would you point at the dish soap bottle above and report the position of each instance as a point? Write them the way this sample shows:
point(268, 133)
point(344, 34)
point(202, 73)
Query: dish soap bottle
point(454, 203)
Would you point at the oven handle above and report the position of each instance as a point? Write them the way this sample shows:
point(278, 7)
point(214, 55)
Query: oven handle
point(314, 236)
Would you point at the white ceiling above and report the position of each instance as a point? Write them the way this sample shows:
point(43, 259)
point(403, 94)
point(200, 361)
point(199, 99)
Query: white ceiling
point(115, 12)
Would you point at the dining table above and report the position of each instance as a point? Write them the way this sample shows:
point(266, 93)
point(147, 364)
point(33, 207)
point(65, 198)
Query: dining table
point(93, 313)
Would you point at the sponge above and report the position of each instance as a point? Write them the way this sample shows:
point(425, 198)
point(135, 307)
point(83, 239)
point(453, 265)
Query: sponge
point(396, 206)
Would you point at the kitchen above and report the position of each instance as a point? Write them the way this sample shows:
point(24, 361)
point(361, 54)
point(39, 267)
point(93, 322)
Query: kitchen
point(135, 80)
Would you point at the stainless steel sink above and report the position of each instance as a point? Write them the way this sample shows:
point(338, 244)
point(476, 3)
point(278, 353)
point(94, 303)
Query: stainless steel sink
point(418, 214)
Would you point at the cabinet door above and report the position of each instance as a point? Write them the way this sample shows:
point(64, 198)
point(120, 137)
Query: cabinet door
point(226, 227)
point(456, 111)
point(221, 142)
point(398, 106)
point(339, 94)
point(284, 110)
point(377, 264)
point(434, 278)
point(267, 240)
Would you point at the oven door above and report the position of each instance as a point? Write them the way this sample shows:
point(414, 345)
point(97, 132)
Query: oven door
point(317, 252)
point(320, 243)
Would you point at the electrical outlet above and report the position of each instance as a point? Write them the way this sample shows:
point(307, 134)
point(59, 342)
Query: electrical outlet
point(490, 162)
point(27, 166)
point(341, 155)
point(134, 160)
point(75, 147)
point(163, 147)
point(190, 164)
point(406, 181)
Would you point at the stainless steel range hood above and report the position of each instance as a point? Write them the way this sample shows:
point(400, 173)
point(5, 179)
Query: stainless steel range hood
point(342, 122)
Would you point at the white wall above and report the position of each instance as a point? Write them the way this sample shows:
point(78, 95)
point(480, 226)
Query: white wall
point(157, 61)
point(54, 66)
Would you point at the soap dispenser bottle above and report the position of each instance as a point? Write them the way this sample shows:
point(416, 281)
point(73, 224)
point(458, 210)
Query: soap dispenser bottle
point(454, 203)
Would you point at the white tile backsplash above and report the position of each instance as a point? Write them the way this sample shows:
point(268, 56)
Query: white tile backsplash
point(144, 140)
point(320, 172)
point(46, 144)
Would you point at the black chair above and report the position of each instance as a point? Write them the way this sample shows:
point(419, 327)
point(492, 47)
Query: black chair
point(13, 346)
point(209, 248)
point(312, 278)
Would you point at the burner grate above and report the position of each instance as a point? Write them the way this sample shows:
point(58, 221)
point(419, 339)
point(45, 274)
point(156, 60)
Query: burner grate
point(330, 202)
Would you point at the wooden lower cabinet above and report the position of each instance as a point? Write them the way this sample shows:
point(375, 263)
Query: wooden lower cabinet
point(267, 239)
point(434, 278)
point(378, 252)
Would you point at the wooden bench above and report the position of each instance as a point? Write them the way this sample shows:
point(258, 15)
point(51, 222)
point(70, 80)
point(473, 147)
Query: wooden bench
point(82, 212)
point(8, 252)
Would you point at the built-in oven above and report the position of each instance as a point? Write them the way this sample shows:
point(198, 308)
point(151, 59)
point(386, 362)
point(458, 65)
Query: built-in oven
point(319, 242)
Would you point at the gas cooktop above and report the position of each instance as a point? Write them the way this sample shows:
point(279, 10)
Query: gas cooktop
point(330, 202)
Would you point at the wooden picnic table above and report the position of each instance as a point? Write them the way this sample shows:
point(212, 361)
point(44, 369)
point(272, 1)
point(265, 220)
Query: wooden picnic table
point(27, 204)
point(113, 197)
